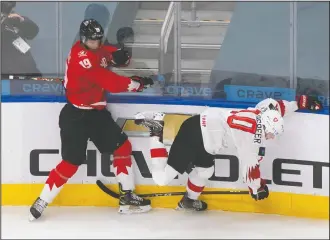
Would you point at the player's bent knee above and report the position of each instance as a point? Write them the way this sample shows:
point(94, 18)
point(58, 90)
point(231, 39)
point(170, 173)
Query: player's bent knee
point(204, 173)
point(158, 164)
point(165, 176)
point(159, 178)
point(124, 150)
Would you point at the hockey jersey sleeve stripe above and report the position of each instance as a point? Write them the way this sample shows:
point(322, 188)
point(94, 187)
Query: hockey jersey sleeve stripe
point(253, 177)
point(103, 103)
point(92, 106)
point(282, 107)
point(253, 173)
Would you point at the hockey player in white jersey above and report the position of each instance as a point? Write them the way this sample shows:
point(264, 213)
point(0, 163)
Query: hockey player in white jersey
point(203, 136)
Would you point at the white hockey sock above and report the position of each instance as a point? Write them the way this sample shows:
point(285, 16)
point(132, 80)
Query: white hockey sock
point(158, 154)
point(195, 187)
point(124, 172)
point(56, 180)
point(49, 192)
point(197, 181)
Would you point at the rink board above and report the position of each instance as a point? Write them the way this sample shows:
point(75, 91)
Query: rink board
point(296, 165)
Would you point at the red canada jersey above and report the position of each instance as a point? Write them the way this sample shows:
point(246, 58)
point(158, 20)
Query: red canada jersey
point(87, 79)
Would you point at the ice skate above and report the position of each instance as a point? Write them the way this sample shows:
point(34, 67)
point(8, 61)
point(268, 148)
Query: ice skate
point(129, 202)
point(191, 204)
point(154, 121)
point(37, 209)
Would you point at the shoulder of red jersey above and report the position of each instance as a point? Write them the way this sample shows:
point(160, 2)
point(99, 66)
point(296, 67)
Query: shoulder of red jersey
point(79, 51)
point(110, 47)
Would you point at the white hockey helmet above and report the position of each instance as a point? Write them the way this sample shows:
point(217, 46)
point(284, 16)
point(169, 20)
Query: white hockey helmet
point(273, 123)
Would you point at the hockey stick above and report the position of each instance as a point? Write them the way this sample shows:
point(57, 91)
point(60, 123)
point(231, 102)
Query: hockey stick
point(113, 194)
point(48, 79)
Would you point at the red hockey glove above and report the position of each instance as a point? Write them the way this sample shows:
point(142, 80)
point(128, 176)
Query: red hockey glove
point(120, 58)
point(145, 82)
point(262, 192)
point(309, 102)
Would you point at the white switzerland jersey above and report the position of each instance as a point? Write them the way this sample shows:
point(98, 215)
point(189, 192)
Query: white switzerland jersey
point(242, 129)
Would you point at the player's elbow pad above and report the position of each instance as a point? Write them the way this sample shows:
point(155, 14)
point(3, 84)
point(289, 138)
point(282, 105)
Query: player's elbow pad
point(165, 176)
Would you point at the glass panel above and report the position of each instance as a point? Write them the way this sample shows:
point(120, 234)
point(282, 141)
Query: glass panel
point(29, 47)
point(148, 59)
point(203, 28)
point(237, 51)
point(143, 19)
point(73, 13)
point(223, 45)
point(26, 26)
point(313, 49)
point(254, 59)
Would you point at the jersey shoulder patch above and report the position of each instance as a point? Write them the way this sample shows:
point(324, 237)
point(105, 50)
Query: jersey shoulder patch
point(82, 53)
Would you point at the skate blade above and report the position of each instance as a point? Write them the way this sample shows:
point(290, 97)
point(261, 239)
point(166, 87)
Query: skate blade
point(182, 209)
point(178, 208)
point(31, 218)
point(128, 209)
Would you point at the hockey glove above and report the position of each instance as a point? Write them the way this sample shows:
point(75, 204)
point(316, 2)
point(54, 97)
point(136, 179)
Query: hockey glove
point(145, 82)
point(309, 102)
point(262, 192)
point(120, 58)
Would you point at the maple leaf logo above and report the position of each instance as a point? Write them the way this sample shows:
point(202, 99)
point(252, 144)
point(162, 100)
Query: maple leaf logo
point(122, 164)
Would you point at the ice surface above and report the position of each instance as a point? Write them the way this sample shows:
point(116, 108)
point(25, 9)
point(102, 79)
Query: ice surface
point(106, 223)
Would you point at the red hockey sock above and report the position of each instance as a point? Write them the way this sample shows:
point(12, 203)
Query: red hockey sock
point(56, 179)
point(122, 164)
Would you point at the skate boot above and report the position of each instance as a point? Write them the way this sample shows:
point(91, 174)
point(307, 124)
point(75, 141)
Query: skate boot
point(129, 202)
point(37, 209)
point(153, 121)
point(191, 204)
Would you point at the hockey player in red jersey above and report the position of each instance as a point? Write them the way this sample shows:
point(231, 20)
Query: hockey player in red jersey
point(203, 136)
point(85, 117)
